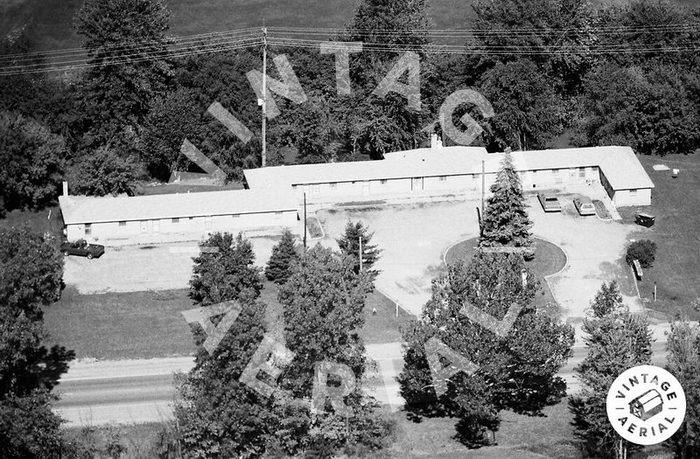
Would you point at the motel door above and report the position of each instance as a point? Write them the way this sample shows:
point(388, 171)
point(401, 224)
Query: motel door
point(156, 226)
point(417, 184)
point(365, 188)
point(144, 226)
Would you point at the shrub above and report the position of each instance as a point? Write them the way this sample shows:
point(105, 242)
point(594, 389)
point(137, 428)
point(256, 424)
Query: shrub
point(643, 250)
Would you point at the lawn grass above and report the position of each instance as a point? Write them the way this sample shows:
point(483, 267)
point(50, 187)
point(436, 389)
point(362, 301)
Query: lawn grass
point(115, 326)
point(520, 436)
point(41, 221)
point(142, 325)
point(51, 20)
point(676, 205)
point(549, 259)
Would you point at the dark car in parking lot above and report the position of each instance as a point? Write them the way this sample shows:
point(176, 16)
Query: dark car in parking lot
point(83, 249)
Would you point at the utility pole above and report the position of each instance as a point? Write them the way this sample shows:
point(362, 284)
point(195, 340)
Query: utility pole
point(304, 221)
point(264, 99)
point(483, 184)
point(360, 238)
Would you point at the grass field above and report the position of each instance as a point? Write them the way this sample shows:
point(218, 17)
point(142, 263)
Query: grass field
point(42, 221)
point(676, 205)
point(549, 259)
point(51, 21)
point(141, 325)
point(121, 325)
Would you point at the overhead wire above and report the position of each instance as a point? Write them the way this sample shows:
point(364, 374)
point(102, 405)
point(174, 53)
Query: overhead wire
point(299, 37)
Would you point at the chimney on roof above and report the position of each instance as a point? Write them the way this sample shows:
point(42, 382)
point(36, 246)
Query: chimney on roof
point(65, 188)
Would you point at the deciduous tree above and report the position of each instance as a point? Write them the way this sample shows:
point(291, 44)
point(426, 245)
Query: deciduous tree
point(114, 97)
point(33, 161)
point(517, 371)
point(683, 362)
point(616, 340)
point(224, 270)
point(31, 271)
point(106, 172)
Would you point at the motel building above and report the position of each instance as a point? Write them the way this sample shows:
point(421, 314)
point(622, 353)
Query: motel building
point(132, 220)
point(275, 196)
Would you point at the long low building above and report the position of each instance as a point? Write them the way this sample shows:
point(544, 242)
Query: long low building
point(176, 217)
point(275, 194)
point(460, 171)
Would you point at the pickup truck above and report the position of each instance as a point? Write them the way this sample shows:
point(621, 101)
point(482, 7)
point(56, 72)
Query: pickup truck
point(82, 248)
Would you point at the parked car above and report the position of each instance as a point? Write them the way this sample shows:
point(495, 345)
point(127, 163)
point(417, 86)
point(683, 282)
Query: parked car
point(645, 220)
point(550, 203)
point(83, 249)
point(584, 206)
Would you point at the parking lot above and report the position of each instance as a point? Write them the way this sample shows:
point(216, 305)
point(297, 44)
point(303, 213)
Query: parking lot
point(413, 239)
point(139, 268)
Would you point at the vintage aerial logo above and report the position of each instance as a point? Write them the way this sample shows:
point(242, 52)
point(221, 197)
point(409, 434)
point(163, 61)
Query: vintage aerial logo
point(646, 405)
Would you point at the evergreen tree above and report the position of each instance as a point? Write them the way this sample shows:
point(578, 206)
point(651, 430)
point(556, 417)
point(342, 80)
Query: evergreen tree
point(616, 340)
point(350, 245)
point(684, 363)
point(224, 270)
point(505, 221)
point(284, 253)
point(517, 371)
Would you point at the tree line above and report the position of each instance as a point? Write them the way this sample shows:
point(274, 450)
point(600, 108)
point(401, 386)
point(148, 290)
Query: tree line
point(605, 75)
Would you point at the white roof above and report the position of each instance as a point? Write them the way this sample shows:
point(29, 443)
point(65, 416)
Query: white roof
point(619, 164)
point(83, 209)
point(414, 163)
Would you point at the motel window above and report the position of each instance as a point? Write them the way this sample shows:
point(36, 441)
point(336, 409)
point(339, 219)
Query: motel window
point(122, 223)
point(555, 171)
point(442, 178)
point(633, 191)
point(333, 185)
point(235, 216)
point(191, 218)
point(175, 220)
point(294, 187)
point(581, 171)
point(279, 213)
point(88, 229)
point(383, 181)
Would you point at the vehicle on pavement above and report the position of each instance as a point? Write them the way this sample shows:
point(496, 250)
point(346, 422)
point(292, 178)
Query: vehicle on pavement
point(550, 203)
point(83, 249)
point(584, 206)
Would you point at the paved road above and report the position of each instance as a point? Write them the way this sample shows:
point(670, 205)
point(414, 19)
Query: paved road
point(128, 392)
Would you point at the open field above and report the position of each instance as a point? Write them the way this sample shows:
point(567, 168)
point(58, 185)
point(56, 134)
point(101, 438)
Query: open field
point(121, 325)
point(676, 205)
point(51, 20)
point(141, 325)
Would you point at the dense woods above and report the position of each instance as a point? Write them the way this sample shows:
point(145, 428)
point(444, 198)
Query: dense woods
point(625, 74)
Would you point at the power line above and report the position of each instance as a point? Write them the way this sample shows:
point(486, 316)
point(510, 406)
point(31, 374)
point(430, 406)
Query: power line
point(178, 47)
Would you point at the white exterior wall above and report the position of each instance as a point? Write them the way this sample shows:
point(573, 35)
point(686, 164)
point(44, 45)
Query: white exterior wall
point(403, 188)
point(183, 229)
point(558, 178)
point(640, 197)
